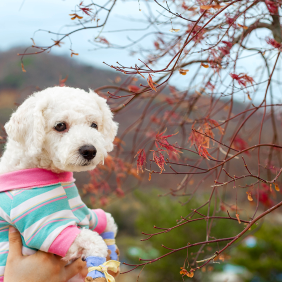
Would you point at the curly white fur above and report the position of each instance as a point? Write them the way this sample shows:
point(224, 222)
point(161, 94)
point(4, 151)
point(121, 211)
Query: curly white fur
point(34, 143)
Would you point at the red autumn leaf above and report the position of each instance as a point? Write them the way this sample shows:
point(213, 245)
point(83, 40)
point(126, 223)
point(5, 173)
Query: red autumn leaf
point(184, 6)
point(133, 88)
point(104, 201)
point(161, 142)
point(159, 159)
point(157, 45)
point(210, 86)
point(86, 10)
point(204, 152)
point(154, 119)
point(119, 192)
point(103, 40)
point(197, 31)
point(240, 144)
point(151, 83)
point(271, 6)
point(264, 196)
point(226, 49)
point(215, 124)
point(62, 82)
point(273, 43)
point(242, 78)
point(141, 159)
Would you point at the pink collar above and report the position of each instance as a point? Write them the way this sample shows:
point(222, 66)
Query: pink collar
point(34, 177)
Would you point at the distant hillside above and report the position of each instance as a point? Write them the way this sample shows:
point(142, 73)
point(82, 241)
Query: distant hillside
point(45, 70)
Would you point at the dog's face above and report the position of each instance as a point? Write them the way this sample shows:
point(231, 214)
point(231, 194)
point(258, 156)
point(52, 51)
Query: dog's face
point(71, 129)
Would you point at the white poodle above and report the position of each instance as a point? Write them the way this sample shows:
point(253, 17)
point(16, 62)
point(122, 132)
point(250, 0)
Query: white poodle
point(53, 133)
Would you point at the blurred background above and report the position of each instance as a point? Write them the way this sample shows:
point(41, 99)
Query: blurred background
point(140, 205)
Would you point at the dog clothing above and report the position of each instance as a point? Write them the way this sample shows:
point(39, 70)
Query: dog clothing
point(47, 210)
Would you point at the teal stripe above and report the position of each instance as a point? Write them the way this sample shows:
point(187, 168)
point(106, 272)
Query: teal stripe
point(31, 193)
point(40, 237)
point(71, 192)
point(5, 202)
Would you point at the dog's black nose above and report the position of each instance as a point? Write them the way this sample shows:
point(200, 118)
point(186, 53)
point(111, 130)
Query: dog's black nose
point(88, 152)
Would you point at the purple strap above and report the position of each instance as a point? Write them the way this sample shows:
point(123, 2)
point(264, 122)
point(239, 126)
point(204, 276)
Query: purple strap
point(112, 248)
point(95, 261)
point(108, 235)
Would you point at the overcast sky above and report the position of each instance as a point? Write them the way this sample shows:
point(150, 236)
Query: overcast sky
point(21, 18)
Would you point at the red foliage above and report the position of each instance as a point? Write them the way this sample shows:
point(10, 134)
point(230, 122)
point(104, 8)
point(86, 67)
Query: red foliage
point(264, 196)
point(151, 83)
point(159, 159)
point(226, 49)
point(133, 88)
point(272, 6)
point(242, 78)
point(141, 160)
point(273, 43)
point(200, 35)
point(240, 144)
point(161, 142)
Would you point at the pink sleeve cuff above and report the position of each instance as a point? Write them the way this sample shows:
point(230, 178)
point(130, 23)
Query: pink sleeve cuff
point(63, 242)
point(102, 221)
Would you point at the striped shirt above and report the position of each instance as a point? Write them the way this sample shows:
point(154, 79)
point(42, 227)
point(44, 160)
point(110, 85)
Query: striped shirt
point(48, 217)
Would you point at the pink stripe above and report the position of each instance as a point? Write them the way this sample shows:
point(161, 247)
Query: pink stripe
point(62, 243)
point(19, 192)
point(70, 186)
point(80, 207)
point(4, 230)
point(1, 278)
point(8, 194)
point(34, 177)
point(47, 223)
point(63, 197)
point(2, 221)
point(102, 221)
point(6, 252)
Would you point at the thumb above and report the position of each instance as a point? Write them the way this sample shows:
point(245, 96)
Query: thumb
point(15, 243)
point(77, 266)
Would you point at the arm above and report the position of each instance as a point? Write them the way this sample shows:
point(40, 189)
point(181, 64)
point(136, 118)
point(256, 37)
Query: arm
point(43, 267)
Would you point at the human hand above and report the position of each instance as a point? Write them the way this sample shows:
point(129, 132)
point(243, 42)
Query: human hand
point(41, 266)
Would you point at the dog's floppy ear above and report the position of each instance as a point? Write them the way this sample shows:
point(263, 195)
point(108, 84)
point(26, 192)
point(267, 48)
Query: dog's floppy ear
point(109, 127)
point(26, 125)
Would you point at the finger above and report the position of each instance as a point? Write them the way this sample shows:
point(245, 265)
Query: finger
point(15, 243)
point(74, 268)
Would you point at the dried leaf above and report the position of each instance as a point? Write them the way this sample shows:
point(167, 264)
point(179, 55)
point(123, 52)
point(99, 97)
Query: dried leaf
point(151, 83)
point(74, 16)
point(190, 274)
point(276, 187)
point(174, 30)
point(183, 72)
point(249, 196)
point(150, 176)
point(204, 65)
point(72, 53)
point(237, 216)
point(208, 7)
point(23, 67)
point(243, 26)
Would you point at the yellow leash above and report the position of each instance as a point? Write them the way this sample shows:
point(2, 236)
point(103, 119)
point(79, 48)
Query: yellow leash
point(112, 265)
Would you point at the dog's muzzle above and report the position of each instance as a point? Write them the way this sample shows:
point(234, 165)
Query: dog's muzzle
point(88, 152)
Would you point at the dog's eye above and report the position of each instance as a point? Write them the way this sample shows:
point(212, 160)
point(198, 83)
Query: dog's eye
point(60, 126)
point(94, 125)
